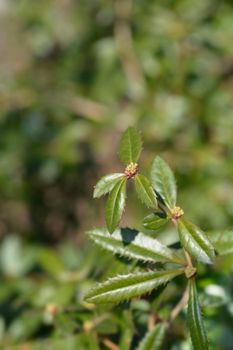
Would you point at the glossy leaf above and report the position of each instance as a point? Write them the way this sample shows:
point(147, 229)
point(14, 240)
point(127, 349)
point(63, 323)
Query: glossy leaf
point(145, 191)
point(194, 240)
point(195, 322)
point(155, 221)
point(134, 245)
point(163, 181)
point(123, 287)
point(115, 205)
point(153, 340)
point(222, 242)
point(106, 184)
point(130, 146)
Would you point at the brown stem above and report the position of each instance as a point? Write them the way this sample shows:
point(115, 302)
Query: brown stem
point(188, 259)
point(90, 325)
point(181, 304)
point(110, 345)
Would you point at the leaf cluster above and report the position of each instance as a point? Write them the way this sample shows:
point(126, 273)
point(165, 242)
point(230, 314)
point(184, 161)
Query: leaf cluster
point(159, 193)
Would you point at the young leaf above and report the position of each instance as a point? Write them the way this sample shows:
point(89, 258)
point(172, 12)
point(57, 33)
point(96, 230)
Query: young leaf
point(123, 287)
point(195, 242)
point(106, 184)
point(222, 242)
point(195, 322)
point(115, 205)
point(155, 221)
point(145, 191)
point(130, 146)
point(153, 340)
point(163, 181)
point(134, 245)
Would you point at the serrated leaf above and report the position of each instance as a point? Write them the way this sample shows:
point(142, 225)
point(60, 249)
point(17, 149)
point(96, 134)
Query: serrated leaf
point(130, 146)
point(134, 245)
point(106, 184)
point(222, 242)
point(195, 322)
point(155, 221)
point(194, 240)
point(123, 287)
point(163, 181)
point(145, 191)
point(115, 205)
point(153, 340)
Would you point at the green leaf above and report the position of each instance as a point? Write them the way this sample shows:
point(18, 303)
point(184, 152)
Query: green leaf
point(123, 287)
point(153, 340)
point(195, 242)
point(195, 321)
point(134, 245)
point(50, 261)
point(145, 191)
point(222, 242)
point(130, 146)
point(106, 184)
point(155, 221)
point(127, 330)
point(115, 205)
point(163, 181)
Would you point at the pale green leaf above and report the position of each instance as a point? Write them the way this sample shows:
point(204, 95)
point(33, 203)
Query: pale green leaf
point(51, 262)
point(222, 241)
point(194, 240)
point(153, 340)
point(130, 146)
point(123, 287)
point(155, 221)
point(195, 322)
point(115, 205)
point(106, 184)
point(145, 191)
point(134, 245)
point(163, 181)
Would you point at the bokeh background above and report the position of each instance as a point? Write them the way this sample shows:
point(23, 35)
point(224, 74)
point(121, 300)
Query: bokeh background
point(74, 74)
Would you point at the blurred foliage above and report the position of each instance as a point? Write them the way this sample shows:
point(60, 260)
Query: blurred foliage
point(73, 76)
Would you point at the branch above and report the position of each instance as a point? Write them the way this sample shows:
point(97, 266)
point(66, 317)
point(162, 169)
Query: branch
point(180, 306)
point(110, 345)
point(188, 258)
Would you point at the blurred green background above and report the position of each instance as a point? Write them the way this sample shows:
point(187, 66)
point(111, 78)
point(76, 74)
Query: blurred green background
point(73, 76)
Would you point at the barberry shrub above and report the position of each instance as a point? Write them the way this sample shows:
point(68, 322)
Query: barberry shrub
point(159, 193)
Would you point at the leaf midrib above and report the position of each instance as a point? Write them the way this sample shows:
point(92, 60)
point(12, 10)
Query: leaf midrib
point(121, 182)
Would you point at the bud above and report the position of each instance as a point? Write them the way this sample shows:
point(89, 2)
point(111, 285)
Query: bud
point(190, 271)
point(131, 170)
point(51, 309)
point(176, 213)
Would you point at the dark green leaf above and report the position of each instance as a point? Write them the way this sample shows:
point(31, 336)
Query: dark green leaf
point(134, 244)
point(155, 221)
point(145, 191)
point(106, 184)
point(115, 205)
point(222, 242)
point(195, 321)
point(163, 181)
point(195, 241)
point(130, 146)
point(123, 287)
point(153, 340)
